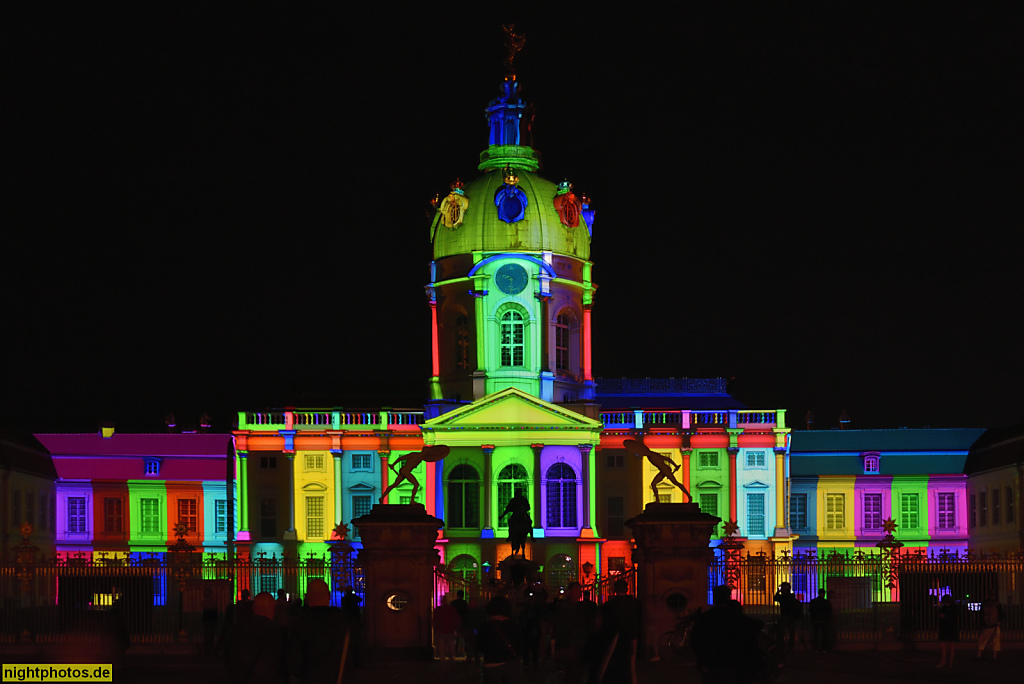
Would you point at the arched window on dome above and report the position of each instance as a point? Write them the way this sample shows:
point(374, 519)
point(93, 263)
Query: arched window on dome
point(512, 480)
point(463, 504)
point(561, 496)
point(567, 343)
point(513, 339)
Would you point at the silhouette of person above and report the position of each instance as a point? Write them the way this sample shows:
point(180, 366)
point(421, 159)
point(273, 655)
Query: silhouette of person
point(790, 612)
point(820, 609)
point(991, 617)
point(256, 647)
point(666, 467)
point(575, 620)
point(211, 614)
point(319, 641)
point(614, 659)
point(446, 625)
point(949, 630)
point(500, 644)
point(725, 641)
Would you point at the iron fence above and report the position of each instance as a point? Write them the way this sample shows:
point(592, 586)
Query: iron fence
point(880, 596)
point(152, 598)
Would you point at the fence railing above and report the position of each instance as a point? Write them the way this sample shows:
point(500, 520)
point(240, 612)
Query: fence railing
point(876, 597)
point(149, 596)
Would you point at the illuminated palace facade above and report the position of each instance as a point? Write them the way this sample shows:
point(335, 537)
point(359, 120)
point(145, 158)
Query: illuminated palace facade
point(513, 395)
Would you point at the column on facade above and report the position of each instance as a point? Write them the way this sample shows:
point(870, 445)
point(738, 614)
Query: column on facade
point(781, 524)
point(338, 458)
point(242, 478)
point(383, 472)
point(537, 510)
point(545, 335)
point(488, 450)
point(733, 491)
point(585, 458)
point(290, 532)
point(686, 469)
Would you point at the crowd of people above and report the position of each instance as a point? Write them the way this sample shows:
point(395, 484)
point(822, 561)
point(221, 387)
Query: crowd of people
point(279, 640)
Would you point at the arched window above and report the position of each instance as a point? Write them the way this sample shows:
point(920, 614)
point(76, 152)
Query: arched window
point(562, 342)
point(561, 572)
point(512, 339)
point(466, 567)
point(561, 490)
point(463, 497)
point(512, 480)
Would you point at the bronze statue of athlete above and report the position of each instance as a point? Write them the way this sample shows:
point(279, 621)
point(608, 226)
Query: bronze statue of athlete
point(666, 467)
point(429, 454)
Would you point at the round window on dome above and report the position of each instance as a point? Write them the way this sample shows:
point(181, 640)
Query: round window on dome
point(511, 203)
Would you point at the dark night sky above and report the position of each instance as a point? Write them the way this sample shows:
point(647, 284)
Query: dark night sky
point(228, 211)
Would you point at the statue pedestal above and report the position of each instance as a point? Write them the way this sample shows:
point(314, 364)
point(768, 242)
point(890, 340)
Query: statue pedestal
point(672, 555)
point(515, 571)
point(398, 559)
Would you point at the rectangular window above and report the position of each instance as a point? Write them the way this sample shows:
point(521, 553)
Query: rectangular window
point(909, 511)
point(616, 563)
point(1009, 504)
point(16, 509)
point(755, 515)
point(709, 504)
point(614, 459)
point(113, 518)
point(314, 517)
point(361, 505)
point(361, 462)
point(42, 511)
point(835, 512)
point(314, 461)
point(561, 344)
point(798, 511)
point(76, 514)
point(995, 505)
point(972, 515)
point(187, 513)
point(150, 509)
point(755, 459)
point(873, 512)
point(268, 518)
point(982, 509)
point(708, 459)
point(30, 508)
point(220, 510)
point(947, 511)
point(616, 511)
point(664, 498)
point(268, 461)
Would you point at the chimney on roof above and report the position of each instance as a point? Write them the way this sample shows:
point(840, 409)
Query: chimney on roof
point(170, 422)
point(204, 422)
point(810, 419)
point(844, 420)
point(107, 429)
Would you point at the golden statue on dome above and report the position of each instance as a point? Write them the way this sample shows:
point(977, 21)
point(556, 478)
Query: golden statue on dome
point(514, 42)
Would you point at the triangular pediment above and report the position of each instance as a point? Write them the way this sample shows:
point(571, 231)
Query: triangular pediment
point(756, 484)
point(361, 487)
point(511, 409)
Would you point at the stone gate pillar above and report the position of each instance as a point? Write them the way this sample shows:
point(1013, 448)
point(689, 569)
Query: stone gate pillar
point(398, 559)
point(672, 556)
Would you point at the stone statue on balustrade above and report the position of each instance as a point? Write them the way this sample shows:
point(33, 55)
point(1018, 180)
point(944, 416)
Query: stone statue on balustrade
point(429, 454)
point(666, 467)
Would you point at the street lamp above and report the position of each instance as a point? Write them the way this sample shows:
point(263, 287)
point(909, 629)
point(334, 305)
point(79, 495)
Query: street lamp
point(181, 562)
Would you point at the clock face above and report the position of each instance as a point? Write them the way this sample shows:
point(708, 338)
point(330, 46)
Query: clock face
point(511, 279)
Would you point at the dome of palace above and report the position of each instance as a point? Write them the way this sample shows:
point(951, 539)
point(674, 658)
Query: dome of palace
point(485, 226)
